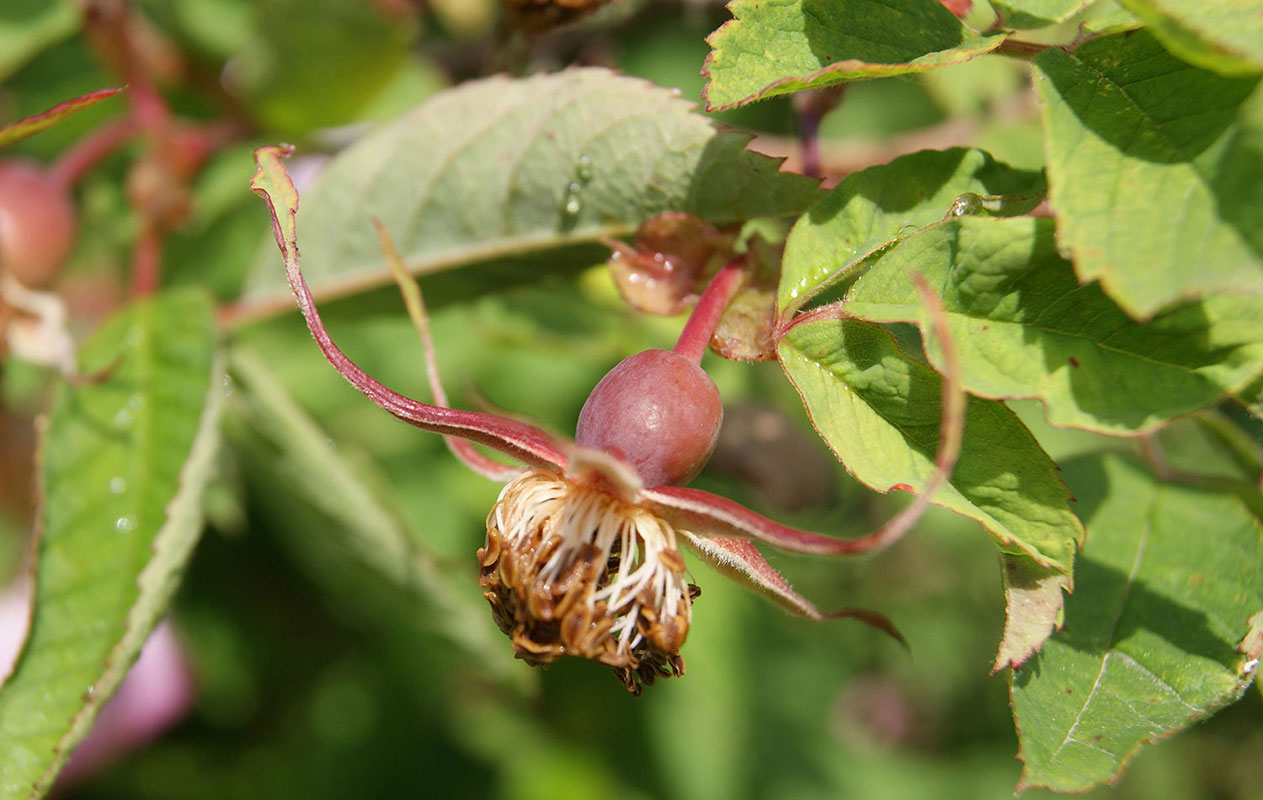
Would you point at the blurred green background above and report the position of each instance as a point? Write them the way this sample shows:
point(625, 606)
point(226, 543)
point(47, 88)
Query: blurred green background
point(316, 678)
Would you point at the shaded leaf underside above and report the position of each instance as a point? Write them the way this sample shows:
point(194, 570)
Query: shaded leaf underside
point(500, 168)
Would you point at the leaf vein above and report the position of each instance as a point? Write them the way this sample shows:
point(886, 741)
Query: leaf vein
point(1109, 639)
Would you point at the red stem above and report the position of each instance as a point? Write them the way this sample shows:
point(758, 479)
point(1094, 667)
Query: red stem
point(809, 135)
point(695, 337)
point(146, 262)
point(91, 149)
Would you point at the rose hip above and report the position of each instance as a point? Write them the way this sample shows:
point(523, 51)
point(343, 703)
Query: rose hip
point(659, 412)
point(37, 223)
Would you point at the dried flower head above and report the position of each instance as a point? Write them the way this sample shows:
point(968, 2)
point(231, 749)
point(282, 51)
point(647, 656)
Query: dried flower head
point(573, 570)
point(582, 555)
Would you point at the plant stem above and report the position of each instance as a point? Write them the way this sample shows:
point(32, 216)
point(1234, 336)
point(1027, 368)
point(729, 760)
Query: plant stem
point(695, 337)
point(809, 134)
point(91, 149)
point(1018, 49)
point(146, 262)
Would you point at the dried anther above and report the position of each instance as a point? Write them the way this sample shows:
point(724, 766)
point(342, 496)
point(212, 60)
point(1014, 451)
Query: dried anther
point(572, 570)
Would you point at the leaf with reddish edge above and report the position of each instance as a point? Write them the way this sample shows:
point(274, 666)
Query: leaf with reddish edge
point(1029, 328)
point(1034, 608)
point(877, 207)
point(775, 47)
point(875, 407)
point(18, 130)
point(1162, 630)
point(742, 561)
point(526, 443)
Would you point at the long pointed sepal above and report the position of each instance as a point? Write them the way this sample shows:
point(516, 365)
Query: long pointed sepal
point(742, 561)
point(516, 439)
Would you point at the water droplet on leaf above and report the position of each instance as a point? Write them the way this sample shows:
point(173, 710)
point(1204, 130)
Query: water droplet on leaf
point(967, 203)
point(118, 485)
point(125, 524)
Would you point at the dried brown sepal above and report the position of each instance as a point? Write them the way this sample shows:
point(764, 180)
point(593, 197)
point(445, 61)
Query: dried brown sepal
point(665, 268)
point(572, 571)
point(746, 330)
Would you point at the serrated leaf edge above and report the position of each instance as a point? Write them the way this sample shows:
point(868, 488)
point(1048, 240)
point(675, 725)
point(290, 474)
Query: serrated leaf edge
point(160, 576)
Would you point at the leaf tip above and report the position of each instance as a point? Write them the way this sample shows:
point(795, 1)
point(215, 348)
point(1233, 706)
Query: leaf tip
point(268, 160)
point(873, 619)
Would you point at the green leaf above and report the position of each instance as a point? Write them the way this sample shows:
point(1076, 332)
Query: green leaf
point(502, 167)
point(1221, 35)
point(1252, 397)
point(29, 26)
point(874, 208)
point(1036, 13)
point(1025, 327)
point(276, 431)
point(879, 411)
point(124, 462)
point(1152, 168)
point(1158, 632)
point(775, 47)
point(316, 63)
point(1106, 17)
point(29, 126)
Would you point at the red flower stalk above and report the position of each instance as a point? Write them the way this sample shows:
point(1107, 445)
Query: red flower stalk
point(582, 553)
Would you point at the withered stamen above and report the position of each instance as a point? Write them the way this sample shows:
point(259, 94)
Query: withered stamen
point(571, 570)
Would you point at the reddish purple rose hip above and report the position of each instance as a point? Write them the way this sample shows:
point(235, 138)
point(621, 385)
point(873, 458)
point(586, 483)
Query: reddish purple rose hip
point(657, 411)
point(37, 223)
